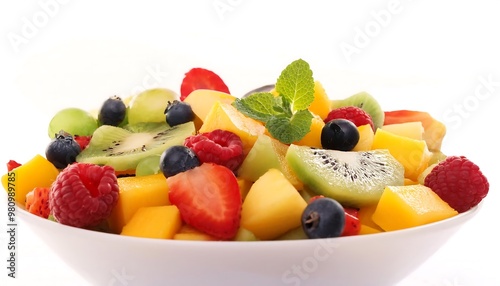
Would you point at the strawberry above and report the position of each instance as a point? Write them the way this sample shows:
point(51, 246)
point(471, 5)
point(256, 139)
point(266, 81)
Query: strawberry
point(208, 198)
point(199, 78)
point(352, 224)
point(83, 141)
point(11, 165)
point(37, 202)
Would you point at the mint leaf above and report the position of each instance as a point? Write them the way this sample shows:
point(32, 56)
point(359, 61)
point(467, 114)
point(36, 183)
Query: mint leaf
point(296, 84)
point(288, 130)
point(259, 106)
point(286, 116)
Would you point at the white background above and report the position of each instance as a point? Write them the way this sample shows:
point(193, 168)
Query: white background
point(418, 55)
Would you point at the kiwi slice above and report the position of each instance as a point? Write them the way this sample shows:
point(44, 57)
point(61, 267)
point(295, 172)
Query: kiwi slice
point(354, 179)
point(124, 148)
point(366, 102)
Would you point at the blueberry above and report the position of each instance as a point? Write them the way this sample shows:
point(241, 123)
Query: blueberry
point(62, 150)
point(177, 159)
point(339, 134)
point(178, 112)
point(112, 111)
point(322, 218)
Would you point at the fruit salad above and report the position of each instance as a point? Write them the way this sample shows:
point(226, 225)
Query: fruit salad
point(284, 161)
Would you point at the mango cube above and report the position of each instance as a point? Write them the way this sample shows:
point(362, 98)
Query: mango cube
point(365, 219)
point(365, 138)
point(321, 103)
point(409, 206)
point(412, 154)
point(313, 137)
point(187, 232)
point(154, 222)
point(135, 193)
point(37, 172)
point(272, 206)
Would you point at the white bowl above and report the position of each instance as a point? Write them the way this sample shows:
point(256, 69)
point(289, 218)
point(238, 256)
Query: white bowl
point(374, 259)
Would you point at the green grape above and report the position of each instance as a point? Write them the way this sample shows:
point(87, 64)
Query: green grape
point(74, 121)
point(149, 105)
point(148, 166)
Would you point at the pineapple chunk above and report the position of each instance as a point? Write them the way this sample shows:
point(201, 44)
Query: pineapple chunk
point(154, 222)
point(272, 207)
point(135, 193)
point(408, 206)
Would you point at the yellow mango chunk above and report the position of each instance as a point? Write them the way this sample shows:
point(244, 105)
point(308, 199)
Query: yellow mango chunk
point(365, 219)
point(202, 100)
point(37, 172)
point(412, 154)
point(409, 206)
point(187, 232)
point(135, 193)
point(272, 206)
point(154, 222)
point(409, 182)
point(226, 117)
point(364, 229)
point(244, 186)
point(413, 130)
point(321, 103)
point(313, 137)
point(365, 138)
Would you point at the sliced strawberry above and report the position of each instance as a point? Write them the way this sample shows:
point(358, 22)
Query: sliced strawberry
point(208, 198)
point(352, 224)
point(199, 78)
point(37, 202)
point(83, 141)
point(11, 165)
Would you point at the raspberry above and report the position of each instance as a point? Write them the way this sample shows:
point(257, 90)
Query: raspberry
point(37, 202)
point(83, 194)
point(83, 141)
point(218, 146)
point(352, 113)
point(459, 182)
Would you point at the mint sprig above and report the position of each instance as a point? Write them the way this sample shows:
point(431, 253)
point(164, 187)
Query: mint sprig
point(285, 116)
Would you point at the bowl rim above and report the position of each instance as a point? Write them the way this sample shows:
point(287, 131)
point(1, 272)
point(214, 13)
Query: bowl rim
point(459, 218)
